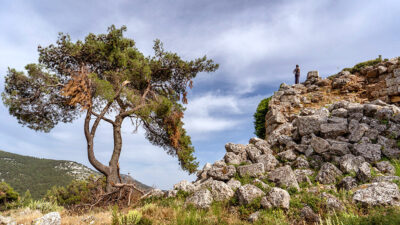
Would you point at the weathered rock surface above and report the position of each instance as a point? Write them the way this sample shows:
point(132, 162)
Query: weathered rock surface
point(279, 198)
point(269, 161)
point(52, 218)
point(284, 177)
point(328, 174)
point(252, 170)
point(185, 186)
point(382, 193)
point(201, 199)
point(7, 221)
point(220, 191)
point(247, 193)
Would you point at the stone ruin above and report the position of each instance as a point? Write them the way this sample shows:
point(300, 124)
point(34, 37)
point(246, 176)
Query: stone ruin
point(324, 134)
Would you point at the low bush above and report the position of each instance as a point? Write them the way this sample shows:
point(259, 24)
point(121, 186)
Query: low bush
point(359, 66)
point(7, 196)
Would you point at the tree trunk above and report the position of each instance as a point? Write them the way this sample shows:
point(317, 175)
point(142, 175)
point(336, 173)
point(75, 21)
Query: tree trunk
point(114, 176)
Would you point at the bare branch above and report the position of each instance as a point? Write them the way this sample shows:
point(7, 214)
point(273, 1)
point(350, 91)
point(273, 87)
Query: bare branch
point(103, 118)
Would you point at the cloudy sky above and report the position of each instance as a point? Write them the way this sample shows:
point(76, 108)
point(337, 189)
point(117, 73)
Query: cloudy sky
point(256, 43)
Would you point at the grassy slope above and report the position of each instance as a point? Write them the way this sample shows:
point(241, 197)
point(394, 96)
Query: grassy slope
point(35, 174)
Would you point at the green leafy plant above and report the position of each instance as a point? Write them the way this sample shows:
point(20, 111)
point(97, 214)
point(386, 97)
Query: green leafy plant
point(44, 206)
point(259, 118)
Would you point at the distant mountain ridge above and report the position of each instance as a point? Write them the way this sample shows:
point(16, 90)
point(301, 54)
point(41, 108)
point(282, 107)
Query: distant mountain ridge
point(39, 175)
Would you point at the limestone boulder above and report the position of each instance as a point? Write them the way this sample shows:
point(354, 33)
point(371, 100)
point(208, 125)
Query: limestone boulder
point(252, 170)
point(220, 191)
point(319, 145)
point(201, 199)
point(386, 167)
point(269, 161)
point(234, 184)
point(246, 194)
point(222, 173)
point(279, 198)
point(287, 155)
point(52, 218)
point(370, 152)
point(328, 174)
point(347, 183)
point(284, 177)
point(381, 193)
point(232, 158)
point(349, 163)
point(185, 186)
point(364, 172)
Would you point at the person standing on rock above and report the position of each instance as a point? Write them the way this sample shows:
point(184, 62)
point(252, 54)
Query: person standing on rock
point(296, 72)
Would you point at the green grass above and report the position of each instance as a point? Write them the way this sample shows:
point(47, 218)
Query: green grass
point(359, 66)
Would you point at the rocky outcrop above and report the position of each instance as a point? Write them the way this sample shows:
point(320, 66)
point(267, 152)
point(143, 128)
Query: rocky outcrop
point(322, 135)
point(52, 218)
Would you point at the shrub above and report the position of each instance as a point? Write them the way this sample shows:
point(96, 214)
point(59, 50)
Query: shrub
point(78, 191)
point(359, 66)
point(7, 195)
point(44, 206)
point(259, 118)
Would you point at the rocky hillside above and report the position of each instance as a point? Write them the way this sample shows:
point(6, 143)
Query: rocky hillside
point(332, 145)
point(39, 175)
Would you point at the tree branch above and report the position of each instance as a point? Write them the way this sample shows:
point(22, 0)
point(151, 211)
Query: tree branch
point(103, 118)
point(142, 102)
point(89, 139)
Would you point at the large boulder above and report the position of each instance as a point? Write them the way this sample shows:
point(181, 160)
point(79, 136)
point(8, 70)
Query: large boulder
point(364, 172)
point(269, 161)
point(52, 218)
point(232, 158)
point(309, 124)
point(382, 193)
point(357, 130)
point(185, 186)
point(328, 174)
point(220, 191)
point(234, 184)
point(370, 152)
point(252, 170)
point(350, 163)
point(347, 183)
point(332, 130)
point(222, 172)
point(319, 145)
point(385, 167)
point(287, 155)
point(246, 194)
point(284, 177)
point(252, 152)
point(201, 199)
point(339, 148)
point(332, 203)
point(238, 149)
point(279, 198)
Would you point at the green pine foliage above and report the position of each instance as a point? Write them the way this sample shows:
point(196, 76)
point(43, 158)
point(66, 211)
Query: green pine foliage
point(259, 118)
point(7, 195)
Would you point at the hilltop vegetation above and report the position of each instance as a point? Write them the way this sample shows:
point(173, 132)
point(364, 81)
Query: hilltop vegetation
point(39, 175)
